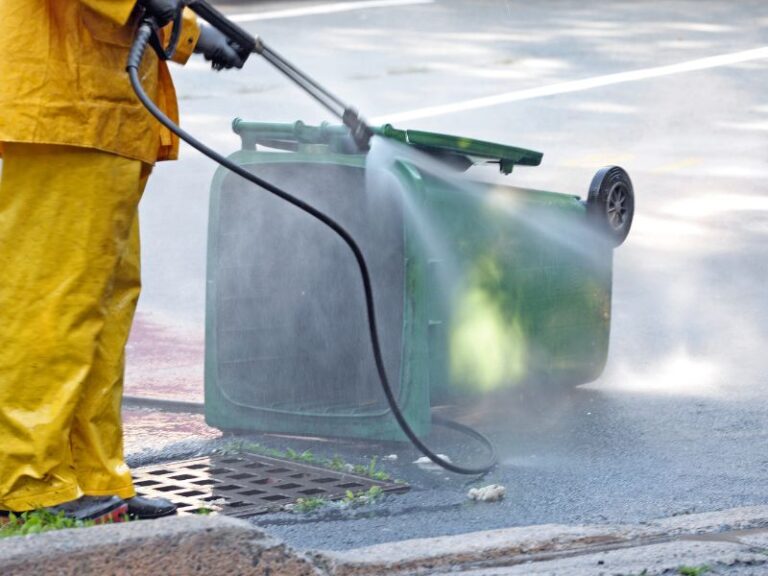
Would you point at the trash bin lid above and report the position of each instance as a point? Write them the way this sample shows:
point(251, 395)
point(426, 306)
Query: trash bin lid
point(477, 151)
point(335, 138)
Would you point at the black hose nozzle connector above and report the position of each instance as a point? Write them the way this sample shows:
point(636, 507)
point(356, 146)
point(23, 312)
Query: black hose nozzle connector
point(139, 46)
point(361, 132)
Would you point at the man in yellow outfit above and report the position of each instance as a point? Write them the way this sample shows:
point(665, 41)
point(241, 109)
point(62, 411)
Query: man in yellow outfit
point(77, 149)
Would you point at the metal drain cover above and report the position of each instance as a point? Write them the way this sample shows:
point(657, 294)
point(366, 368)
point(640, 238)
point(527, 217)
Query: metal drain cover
point(246, 484)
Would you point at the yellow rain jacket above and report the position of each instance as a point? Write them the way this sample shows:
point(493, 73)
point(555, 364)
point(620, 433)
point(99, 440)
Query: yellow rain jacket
point(66, 81)
point(77, 149)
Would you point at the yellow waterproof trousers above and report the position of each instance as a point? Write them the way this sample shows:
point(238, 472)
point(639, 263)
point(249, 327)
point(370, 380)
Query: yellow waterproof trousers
point(69, 284)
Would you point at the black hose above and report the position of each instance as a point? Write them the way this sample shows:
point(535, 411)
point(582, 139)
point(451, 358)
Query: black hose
point(134, 60)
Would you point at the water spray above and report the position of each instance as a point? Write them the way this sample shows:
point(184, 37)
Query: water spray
point(245, 44)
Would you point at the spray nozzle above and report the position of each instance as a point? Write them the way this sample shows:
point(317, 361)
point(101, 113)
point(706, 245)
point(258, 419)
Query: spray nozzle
point(361, 132)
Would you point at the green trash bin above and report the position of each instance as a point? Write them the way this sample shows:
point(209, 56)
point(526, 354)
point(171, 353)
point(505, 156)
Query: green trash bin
point(478, 287)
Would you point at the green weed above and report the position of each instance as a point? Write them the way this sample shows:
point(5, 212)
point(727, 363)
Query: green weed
point(305, 456)
point(370, 470)
point(693, 570)
point(39, 521)
point(375, 492)
point(306, 505)
point(336, 463)
point(363, 497)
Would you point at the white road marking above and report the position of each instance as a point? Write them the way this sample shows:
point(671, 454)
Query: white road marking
point(324, 9)
point(575, 86)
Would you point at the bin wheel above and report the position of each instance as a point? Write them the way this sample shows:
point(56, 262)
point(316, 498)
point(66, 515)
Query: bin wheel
point(611, 203)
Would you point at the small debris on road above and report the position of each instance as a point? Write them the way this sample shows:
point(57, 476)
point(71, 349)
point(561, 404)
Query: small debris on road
point(491, 493)
point(391, 457)
point(427, 464)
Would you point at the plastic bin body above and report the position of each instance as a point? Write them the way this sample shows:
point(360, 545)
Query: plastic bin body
point(287, 346)
point(532, 301)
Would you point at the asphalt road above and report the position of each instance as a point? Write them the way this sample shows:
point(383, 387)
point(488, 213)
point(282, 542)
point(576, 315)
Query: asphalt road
point(679, 420)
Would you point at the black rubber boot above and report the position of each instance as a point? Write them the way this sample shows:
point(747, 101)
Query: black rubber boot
point(143, 508)
point(97, 508)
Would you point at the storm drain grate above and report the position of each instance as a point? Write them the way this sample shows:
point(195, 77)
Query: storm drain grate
point(246, 484)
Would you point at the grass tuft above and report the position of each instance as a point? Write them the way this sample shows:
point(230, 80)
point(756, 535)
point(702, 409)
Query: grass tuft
point(37, 522)
point(693, 570)
point(363, 497)
point(370, 469)
point(307, 505)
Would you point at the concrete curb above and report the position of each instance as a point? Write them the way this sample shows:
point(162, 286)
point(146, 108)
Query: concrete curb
point(545, 543)
point(169, 547)
point(713, 558)
point(487, 548)
point(219, 545)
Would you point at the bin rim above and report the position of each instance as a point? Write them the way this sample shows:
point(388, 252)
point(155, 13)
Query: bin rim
point(298, 135)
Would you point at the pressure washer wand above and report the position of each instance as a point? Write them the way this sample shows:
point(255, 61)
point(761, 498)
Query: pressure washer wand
point(245, 44)
point(361, 132)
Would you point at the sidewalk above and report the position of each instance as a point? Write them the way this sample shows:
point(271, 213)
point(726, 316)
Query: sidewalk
point(165, 364)
point(731, 543)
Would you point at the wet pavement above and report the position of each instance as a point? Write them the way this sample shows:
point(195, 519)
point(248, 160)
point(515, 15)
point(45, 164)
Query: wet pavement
point(677, 423)
point(164, 360)
point(156, 429)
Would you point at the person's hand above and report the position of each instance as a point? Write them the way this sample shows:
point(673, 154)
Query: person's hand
point(163, 11)
point(216, 48)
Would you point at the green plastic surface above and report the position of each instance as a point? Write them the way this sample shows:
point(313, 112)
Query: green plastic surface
point(225, 412)
point(536, 289)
